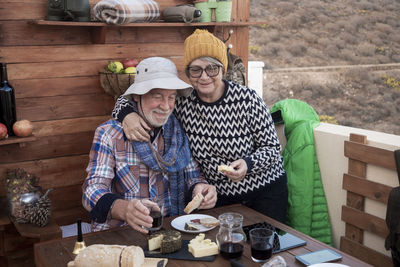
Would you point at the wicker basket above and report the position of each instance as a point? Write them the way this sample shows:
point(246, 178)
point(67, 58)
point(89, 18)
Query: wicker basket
point(115, 84)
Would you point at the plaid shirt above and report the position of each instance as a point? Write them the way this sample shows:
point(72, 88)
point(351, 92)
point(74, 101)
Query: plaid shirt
point(114, 167)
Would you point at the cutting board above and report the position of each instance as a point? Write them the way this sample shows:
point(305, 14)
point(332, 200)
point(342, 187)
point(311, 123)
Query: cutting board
point(182, 254)
point(152, 262)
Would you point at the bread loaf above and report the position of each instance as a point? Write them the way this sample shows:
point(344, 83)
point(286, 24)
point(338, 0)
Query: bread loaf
point(194, 204)
point(109, 256)
point(223, 168)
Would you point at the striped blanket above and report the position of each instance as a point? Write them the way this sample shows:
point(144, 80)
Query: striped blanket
point(126, 11)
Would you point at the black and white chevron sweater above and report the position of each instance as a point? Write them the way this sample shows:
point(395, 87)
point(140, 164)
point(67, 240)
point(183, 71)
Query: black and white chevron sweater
point(238, 125)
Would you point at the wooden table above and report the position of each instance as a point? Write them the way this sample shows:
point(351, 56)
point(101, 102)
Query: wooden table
point(59, 252)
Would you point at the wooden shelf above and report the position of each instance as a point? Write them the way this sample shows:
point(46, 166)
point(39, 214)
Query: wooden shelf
point(17, 140)
point(98, 29)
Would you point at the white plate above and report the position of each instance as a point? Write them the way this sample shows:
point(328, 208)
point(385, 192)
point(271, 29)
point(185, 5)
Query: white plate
point(179, 223)
point(328, 264)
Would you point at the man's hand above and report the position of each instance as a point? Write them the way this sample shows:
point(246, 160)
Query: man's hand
point(209, 193)
point(240, 170)
point(135, 128)
point(132, 212)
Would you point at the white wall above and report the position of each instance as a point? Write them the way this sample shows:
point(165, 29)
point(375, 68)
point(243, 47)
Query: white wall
point(329, 143)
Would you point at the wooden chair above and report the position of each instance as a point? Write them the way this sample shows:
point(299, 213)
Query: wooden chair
point(358, 189)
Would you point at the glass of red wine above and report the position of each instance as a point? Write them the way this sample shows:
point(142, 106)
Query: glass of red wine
point(156, 207)
point(261, 240)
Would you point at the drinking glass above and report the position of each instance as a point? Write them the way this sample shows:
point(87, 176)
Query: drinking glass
point(156, 208)
point(261, 240)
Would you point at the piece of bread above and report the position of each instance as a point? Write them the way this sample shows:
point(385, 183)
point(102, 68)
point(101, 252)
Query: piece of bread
point(194, 204)
point(223, 168)
point(109, 256)
point(209, 222)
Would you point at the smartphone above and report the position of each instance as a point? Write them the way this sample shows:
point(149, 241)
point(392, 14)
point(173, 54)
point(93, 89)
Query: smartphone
point(319, 256)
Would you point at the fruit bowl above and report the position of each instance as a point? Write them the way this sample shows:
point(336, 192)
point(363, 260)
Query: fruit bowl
point(115, 84)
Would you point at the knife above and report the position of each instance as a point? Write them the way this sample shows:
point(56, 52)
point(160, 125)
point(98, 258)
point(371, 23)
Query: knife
point(235, 263)
point(160, 263)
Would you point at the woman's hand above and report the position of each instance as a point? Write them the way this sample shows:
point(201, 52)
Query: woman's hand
point(240, 170)
point(135, 128)
point(209, 193)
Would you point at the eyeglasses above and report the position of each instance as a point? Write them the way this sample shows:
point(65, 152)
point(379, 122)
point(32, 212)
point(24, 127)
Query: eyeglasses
point(196, 71)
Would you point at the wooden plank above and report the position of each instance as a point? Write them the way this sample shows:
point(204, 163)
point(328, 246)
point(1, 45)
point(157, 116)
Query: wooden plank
point(69, 216)
point(365, 221)
point(61, 35)
point(56, 53)
point(19, 10)
point(57, 86)
point(371, 155)
point(364, 253)
point(53, 172)
point(66, 197)
point(68, 126)
point(361, 186)
point(48, 147)
point(353, 200)
point(48, 232)
point(64, 107)
point(64, 69)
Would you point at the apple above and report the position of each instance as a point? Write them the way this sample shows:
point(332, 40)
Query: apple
point(3, 131)
point(130, 63)
point(23, 128)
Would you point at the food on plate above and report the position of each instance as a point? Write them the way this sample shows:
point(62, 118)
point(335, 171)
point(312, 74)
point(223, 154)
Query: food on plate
point(194, 204)
point(200, 247)
point(109, 256)
point(167, 241)
point(191, 227)
point(23, 128)
point(224, 168)
point(209, 222)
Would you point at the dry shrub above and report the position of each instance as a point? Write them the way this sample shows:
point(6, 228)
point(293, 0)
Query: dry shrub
point(324, 42)
point(293, 21)
point(332, 50)
point(297, 49)
point(339, 43)
point(308, 36)
point(373, 38)
point(270, 49)
point(358, 75)
point(285, 8)
point(348, 38)
point(366, 49)
point(366, 5)
point(358, 22)
point(274, 35)
point(384, 28)
point(332, 27)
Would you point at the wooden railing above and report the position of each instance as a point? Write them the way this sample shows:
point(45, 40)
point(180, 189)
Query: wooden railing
point(358, 189)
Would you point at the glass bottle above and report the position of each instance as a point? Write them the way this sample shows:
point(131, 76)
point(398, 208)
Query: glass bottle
point(7, 101)
point(231, 238)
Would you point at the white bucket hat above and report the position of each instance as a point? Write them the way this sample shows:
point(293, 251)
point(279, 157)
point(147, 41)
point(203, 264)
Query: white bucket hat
point(157, 72)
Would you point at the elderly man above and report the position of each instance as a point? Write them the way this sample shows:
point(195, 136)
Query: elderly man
point(121, 172)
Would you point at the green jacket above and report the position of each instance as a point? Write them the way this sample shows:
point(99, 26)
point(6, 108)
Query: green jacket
point(308, 210)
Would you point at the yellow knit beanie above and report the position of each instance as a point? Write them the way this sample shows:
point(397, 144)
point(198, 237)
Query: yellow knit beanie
point(201, 43)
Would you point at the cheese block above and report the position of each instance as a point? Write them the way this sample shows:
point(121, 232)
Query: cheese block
point(167, 241)
point(223, 168)
point(200, 247)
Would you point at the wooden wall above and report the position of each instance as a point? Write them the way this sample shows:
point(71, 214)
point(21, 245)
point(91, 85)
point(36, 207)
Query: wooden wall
point(54, 71)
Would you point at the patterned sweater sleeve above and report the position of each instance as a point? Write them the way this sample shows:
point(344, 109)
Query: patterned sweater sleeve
point(123, 107)
point(267, 147)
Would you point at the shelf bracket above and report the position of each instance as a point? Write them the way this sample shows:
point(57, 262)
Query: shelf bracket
point(98, 35)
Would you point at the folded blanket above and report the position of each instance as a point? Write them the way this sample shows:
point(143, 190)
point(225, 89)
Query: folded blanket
point(126, 11)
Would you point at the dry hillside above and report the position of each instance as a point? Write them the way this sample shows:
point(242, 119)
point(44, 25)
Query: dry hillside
point(352, 35)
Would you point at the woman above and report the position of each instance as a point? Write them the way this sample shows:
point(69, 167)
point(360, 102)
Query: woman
point(227, 124)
